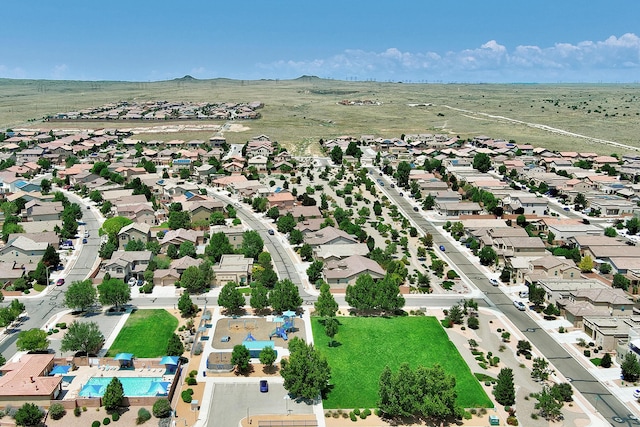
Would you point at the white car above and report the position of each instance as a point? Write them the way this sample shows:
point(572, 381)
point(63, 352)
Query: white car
point(132, 281)
point(636, 393)
point(494, 282)
point(520, 305)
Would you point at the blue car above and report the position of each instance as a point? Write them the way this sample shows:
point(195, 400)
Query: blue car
point(264, 386)
point(442, 248)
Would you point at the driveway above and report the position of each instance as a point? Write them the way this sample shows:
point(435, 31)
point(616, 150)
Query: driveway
point(232, 401)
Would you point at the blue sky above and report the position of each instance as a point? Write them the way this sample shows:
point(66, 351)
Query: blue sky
point(417, 41)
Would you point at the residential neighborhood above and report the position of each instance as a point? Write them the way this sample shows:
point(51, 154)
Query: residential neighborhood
point(415, 220)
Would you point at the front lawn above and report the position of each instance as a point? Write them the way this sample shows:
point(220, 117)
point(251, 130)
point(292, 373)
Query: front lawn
point(367, 344)
point(145, 334)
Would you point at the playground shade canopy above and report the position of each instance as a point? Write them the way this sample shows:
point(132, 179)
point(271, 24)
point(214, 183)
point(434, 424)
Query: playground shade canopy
point(123, 356)
point(289, 313)
point(169, 360)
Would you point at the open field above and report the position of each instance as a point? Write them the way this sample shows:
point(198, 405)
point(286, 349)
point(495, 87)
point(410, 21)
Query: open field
point(299, 112)
point(145, 334)
point(368, 344)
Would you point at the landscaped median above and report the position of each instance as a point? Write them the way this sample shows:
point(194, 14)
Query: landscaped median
point(368, 344)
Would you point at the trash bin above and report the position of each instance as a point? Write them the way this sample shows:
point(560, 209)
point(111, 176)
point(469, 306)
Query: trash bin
point(494, 420)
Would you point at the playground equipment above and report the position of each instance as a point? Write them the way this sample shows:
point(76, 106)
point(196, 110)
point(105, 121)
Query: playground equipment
point(281, 331)
point(247, 324)
point(249, 337)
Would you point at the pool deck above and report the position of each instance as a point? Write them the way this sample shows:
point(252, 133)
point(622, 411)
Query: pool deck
point(84, 373)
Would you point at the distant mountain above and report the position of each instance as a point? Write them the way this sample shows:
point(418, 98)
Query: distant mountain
point(186, 78)
point(307, 78)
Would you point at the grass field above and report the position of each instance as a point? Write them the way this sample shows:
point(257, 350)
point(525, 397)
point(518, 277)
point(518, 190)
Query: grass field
point(299, 112)
point(367, 344)
point(145, 334)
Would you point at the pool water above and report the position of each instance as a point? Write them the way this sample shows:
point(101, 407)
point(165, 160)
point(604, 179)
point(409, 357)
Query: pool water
point(68, 378)
point(149, 386)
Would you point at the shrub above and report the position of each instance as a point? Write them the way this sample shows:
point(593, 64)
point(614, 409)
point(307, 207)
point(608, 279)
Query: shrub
point(193, 373)
point(77, 411)
point(57, 411)
point(512, 420)
point(587, 353)
point(115, 416)
point(356, 411)
point(534, 416)
point(106, 421)
point(467, 415)
point(162, 408)
point(377, 412)
point(144, 415)
point(95, 424)
point(191, 381)
point(84, 409)
point(186, 395)
point(367, 412)
point(352, 416)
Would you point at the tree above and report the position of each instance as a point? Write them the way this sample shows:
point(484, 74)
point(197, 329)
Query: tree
point(548, 407)
point(162, 408)
point(296, 237)
point(353, 150)
point(523, 347)
point(482, 162)
point(610, 232)
point(29, 415)
point(537, 295)
point(402, 174)
point(112, 226)
point(193, 280)
point(179, 219)
point(241, 358)
point(187, 248)
point(630, 367)
point(218, 246)
point(540, 370)
point(331, 328)
point(231, 298)
point(32, 340)
point(252, 244)
point(456, 314)
point(259, 298)
point(80, 295)
point(273, 213)
point(114, 292)
point(113, 395)
point(134, 245)
point(620, 281)
point(336, 155)
point(504, 390)
point(314, 272)
point(306, 252)
point(580, 201)
point(633, 225)
point(84, 337)
point(217, 218)
point(51, 258)
point(286, 223)
point(306, 372)
point(487, 255)
point(285, 296)
point(186, 306)
point(606, 361)
point(175, 346)
point(562, 392)
point(326, 305)
point(586, 264)
point(267, 356)
point(172, 251)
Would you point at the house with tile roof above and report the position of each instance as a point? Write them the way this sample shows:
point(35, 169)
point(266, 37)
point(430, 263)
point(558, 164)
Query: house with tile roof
point(28, 381)
point(343, 272)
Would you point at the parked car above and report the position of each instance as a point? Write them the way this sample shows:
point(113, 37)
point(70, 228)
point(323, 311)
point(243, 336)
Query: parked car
point(636, 393)
point(415, 209)
point(494, 282)
point(271, 232)
point(442, 248)
point(132, 282)
point(84, 241)
point(392, 186)
point(60, 282)
point(520, 305)
point(264, 386)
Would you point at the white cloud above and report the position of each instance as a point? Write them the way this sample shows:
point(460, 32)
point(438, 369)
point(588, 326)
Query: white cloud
point(613, 59)
point(59, 72)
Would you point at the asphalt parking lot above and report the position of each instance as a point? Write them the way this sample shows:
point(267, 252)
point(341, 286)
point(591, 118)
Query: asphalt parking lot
point(232, 401)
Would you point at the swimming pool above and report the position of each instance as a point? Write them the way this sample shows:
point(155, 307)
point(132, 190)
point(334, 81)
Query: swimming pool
point(150, 386)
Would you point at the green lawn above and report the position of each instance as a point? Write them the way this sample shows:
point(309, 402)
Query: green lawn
point(367, 344)
point(145, 334)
